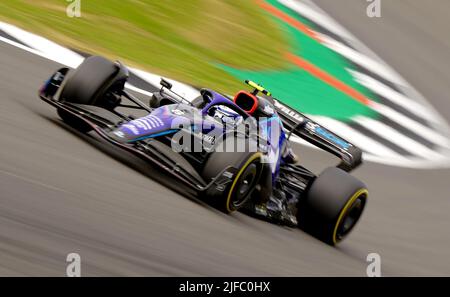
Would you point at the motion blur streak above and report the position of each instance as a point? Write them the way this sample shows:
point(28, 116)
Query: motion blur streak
point(59, 194)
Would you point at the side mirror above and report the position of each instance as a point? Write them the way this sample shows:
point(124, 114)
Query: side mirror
point(165, 84)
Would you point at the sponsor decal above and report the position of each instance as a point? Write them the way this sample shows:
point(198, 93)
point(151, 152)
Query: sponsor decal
point(268, 109)
point(178, 112)
point(142, 125)
point(223, 181)
point(328, 135)
point(208, 138)
point(289, 112)
point(132, 128)
point(331, 137)
point(228, 174)
point(119, 134)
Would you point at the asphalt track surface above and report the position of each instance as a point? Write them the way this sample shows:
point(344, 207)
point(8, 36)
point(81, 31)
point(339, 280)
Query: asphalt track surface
point(62, 193)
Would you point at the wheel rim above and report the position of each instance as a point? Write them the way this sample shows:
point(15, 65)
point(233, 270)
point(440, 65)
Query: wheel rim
point(351, 216)
point(245, 185)
point(243, 177)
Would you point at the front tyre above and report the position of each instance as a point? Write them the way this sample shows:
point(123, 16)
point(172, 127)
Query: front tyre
point(333, 205)
point(94, 82)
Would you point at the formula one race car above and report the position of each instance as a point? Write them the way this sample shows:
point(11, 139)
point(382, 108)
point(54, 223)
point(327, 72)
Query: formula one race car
point(234, 153)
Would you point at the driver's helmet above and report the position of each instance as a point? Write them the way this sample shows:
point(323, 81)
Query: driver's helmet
point(254, 106)
point(246, 101)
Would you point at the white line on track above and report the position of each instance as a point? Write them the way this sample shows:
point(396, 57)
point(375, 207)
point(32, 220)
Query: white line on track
point(314, 13)
point(186, 91)
point(397, 138)
point(410, 124)
point(52, 51)
point(133, 88)
point(359, 58)
point(26, 48)
point(58, 53)
point(394, 96)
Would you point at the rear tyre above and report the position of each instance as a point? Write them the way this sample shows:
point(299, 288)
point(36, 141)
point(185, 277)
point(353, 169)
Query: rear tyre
point(249, 168)
point(333, 205)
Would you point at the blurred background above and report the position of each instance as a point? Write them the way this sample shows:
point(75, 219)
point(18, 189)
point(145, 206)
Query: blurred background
point(181, 39)
point(377, 75)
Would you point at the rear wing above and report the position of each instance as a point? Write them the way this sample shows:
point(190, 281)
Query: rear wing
point(314, 133)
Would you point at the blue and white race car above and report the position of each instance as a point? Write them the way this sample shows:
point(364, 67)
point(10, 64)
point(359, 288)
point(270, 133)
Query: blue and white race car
point(234, 153)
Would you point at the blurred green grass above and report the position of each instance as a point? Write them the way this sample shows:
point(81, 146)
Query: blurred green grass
point(181, 39)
